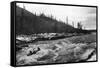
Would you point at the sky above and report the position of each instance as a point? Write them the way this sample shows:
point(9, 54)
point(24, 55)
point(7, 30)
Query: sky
point(85, 15)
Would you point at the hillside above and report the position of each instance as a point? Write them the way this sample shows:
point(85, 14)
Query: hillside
point(29, 23)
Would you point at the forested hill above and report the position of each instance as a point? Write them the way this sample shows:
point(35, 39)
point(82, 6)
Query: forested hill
point(29, 23)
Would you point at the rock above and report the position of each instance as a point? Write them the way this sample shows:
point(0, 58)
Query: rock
point(93, 58)
point(86, 54)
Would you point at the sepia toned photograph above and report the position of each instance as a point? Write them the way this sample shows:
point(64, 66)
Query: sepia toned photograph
point(55, 34)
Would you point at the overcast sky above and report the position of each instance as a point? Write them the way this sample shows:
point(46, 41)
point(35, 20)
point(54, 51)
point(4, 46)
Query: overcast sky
point(87, 15)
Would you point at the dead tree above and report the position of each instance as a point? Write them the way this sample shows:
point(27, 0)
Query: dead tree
point(72, 23)
point(79, 25)
point(67, 19)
